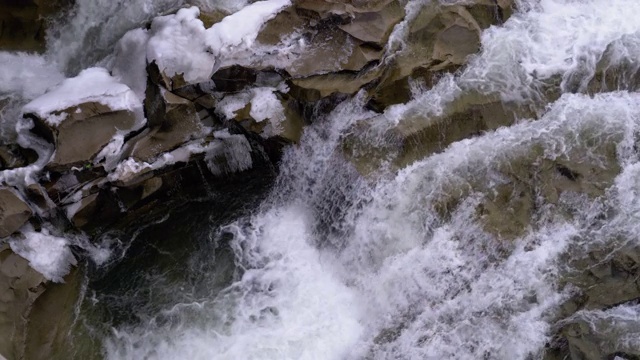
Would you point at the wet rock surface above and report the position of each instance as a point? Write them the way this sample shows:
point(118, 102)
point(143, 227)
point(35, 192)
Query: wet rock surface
point(23, 23)
point(204, 142)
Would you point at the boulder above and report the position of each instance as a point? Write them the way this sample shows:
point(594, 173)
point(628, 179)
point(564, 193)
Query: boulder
point(14, 212)
point(264, 111)
point(52, 319)
point(314, 88)
point(332, 50)
point(328, 8)
point(73, 147)
point(234, 78)
point(91, 103)
point(598, 336)
point(612, 72)
point(20, 286)
point(172, 121)
point(328, 44)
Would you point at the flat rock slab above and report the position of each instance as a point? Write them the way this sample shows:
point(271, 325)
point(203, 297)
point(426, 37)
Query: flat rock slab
point(13, 212)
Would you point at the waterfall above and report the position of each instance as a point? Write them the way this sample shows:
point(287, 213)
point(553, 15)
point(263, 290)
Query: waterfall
point(334, 266)
point(465, 253)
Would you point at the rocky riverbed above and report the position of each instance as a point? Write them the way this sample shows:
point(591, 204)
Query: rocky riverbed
point(396, 124)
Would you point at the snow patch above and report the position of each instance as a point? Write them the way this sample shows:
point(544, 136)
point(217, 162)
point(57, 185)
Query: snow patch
point(91, 85)
point(129, 168)
point(265, 105)
point(177, 45)
point(241, 28)
point(47, 254)
point(173, 36)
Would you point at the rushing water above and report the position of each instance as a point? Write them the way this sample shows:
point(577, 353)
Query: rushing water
point(332, 265)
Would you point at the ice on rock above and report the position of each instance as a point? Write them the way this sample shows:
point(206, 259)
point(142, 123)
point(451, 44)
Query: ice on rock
point(241, 28)
point(177, 45)
point(48, 254)
point(180, 44)
point(91, 85)
point(265, 105)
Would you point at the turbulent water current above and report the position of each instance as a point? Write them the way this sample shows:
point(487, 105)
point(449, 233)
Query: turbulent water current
point(333, 265)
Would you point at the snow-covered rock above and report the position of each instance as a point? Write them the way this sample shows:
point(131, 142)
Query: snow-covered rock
point(83, 114)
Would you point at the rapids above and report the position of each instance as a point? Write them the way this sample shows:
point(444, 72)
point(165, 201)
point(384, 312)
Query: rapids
point(332, 265)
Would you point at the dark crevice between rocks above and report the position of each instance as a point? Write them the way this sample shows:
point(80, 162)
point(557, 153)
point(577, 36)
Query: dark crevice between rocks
point(568, 173)
point(622, 355)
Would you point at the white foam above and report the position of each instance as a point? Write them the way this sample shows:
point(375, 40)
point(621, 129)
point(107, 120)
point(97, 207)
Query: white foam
point(292, 308)
point(130, 62)
point(555, 38)
point(27, 75)
point(89, 32)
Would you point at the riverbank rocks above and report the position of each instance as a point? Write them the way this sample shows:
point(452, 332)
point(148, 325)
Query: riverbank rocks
point(51, 317)
point(214, 120)
point(259, 97)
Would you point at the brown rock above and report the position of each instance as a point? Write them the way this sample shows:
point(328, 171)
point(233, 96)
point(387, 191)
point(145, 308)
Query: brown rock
point(234, 78)
point(13, 212)
point(375, 27)
point(20, 286)
point(331, 50)
point(73, 146)
point(440, 39)
point(418, 136)
point(314, 88)
point(52, 318)
point(172, 121)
